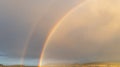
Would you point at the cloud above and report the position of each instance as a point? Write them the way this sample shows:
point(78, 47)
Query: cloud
point(90, 33)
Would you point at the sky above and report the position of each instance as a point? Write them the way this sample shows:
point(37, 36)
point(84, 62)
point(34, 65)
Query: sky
point(25, 25)
point(89, 32)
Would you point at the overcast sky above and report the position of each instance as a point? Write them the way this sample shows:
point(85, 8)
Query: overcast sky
point(28, 21)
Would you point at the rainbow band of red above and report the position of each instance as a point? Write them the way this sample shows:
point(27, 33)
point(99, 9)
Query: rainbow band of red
point(52, 31)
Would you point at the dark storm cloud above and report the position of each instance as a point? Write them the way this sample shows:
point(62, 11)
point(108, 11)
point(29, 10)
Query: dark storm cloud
point(17, 19)
point(16, 22)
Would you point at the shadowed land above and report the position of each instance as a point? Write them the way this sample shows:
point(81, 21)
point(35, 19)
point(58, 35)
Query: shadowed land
point(15, 66)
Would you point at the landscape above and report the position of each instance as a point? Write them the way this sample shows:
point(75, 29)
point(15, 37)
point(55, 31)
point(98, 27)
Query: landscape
point(96, 64)
point(93, 64)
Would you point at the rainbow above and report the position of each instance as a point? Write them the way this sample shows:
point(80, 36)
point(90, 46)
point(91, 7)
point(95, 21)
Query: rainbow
point(55, 27)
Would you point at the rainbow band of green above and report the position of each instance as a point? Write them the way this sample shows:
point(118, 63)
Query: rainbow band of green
point(52, 31)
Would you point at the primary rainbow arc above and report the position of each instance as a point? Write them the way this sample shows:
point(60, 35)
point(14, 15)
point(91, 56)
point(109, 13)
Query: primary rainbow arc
point(52, 31)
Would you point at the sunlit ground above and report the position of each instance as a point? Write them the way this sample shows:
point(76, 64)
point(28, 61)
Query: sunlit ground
point(87, 65)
